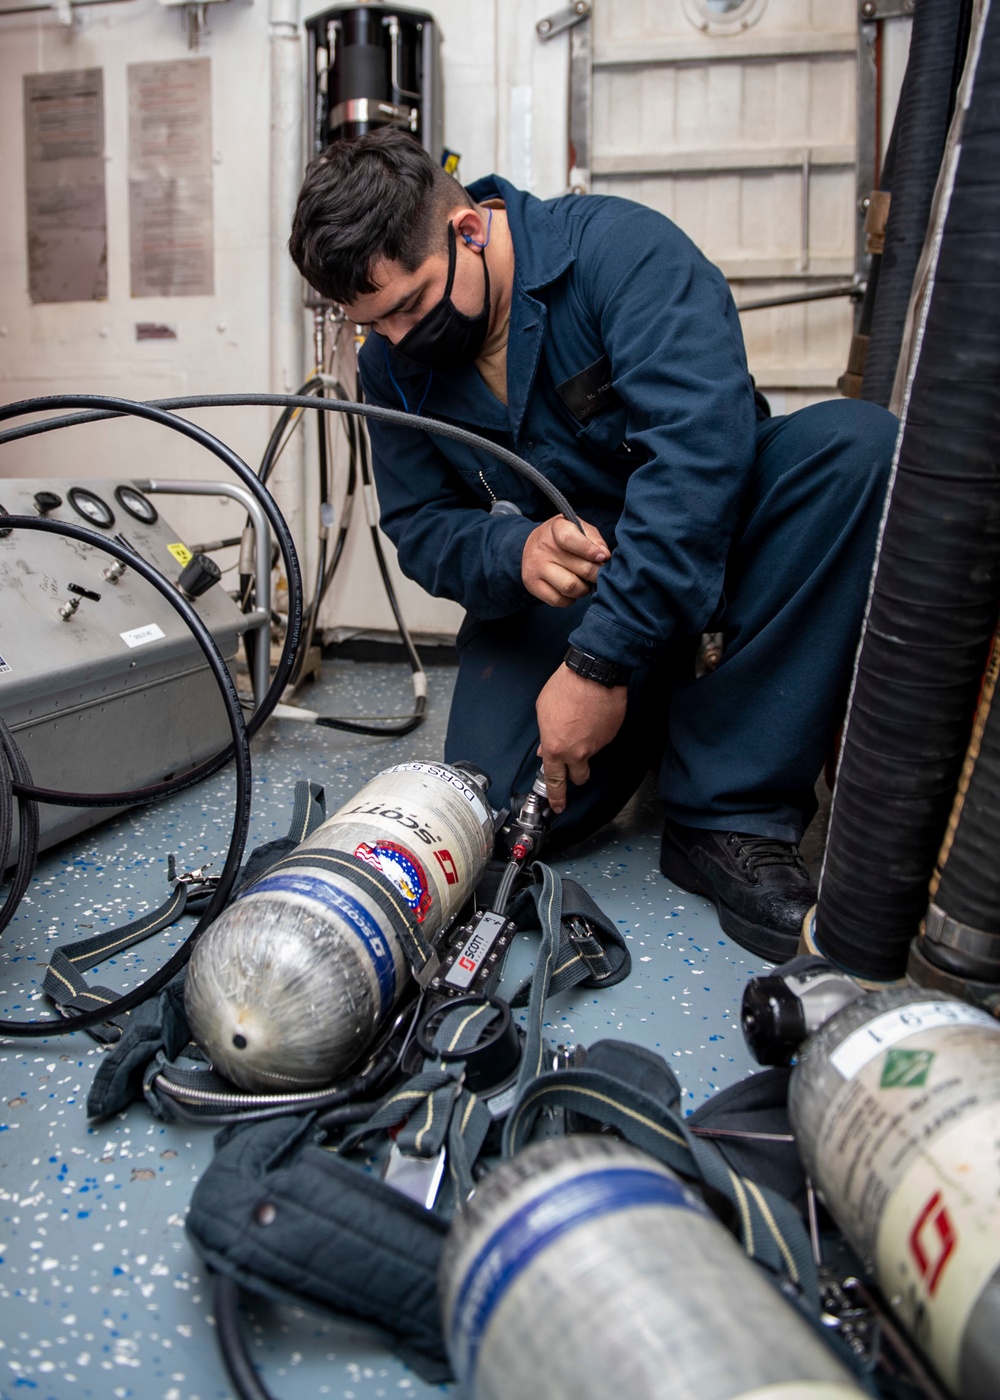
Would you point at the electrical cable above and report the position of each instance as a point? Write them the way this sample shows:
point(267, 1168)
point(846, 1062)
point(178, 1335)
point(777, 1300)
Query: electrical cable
point(232, 1343)
point(156, 414)
point(240, 747)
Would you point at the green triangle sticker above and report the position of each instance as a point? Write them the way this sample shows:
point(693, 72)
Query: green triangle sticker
point(906, 1069)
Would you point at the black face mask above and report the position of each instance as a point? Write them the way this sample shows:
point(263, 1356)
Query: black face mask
point(446, 338)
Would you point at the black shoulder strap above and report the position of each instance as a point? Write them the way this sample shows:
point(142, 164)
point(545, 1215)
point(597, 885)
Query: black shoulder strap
point(283, 1217)
point(768, 1226)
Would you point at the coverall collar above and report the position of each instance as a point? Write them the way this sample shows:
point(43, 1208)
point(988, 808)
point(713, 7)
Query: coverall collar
point(541, 255)
point(541, 251)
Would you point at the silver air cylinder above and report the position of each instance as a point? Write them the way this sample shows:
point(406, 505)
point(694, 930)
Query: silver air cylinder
point(584, 1269)
point(895, 1103)
point(291, 982)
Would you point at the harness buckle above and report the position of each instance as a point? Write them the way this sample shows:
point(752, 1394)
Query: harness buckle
point(199, 881)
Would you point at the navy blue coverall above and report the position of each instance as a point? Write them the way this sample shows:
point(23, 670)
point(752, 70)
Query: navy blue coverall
point(764, 530)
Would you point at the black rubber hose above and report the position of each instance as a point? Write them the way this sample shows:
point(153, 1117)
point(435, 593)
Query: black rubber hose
point(385, 729)
point(275, 445)
point(926, 101)
point(364, 410)
point(405, 726)
point(936, 589)
point(28, 826)
point(240, 745)
point(962, 930)
point(6, 799)
point(232, 1344)
point(310, 615)
point(289, 401)
point(123, 407)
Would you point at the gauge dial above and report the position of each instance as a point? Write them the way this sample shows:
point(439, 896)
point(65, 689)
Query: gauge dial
point(137, 505)
point(91, 507)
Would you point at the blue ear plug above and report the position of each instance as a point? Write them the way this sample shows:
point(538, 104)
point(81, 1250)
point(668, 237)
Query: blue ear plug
point(468, 238)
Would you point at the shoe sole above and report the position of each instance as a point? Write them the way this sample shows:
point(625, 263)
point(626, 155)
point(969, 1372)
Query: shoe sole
point(755, 938)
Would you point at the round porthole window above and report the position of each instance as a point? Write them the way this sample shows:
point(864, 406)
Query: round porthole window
point(723, 16)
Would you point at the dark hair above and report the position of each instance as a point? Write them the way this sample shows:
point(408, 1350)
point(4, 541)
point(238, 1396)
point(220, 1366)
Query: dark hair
point(377, 196)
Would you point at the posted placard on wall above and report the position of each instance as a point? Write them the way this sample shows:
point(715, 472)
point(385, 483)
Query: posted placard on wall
point(170, 178)
point(64, 178)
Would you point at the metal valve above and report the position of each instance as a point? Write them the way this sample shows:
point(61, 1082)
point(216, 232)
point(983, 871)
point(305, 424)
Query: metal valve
point(199, 574)
point(46, 501)
point(70, 606)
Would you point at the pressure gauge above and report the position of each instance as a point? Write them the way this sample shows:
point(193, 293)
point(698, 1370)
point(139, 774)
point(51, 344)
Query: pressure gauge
point(91, 507)
point(137, 505)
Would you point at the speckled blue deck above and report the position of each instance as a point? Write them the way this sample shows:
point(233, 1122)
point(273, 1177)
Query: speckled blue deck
point(101, 1295)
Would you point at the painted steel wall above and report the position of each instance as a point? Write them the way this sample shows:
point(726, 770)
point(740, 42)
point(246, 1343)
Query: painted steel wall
point(494, 72)
point(728, 129)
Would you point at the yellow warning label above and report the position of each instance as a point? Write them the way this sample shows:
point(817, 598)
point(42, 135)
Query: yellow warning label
point(181, 553)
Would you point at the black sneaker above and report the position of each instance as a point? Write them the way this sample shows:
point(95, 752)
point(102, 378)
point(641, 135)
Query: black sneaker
point(760, 886)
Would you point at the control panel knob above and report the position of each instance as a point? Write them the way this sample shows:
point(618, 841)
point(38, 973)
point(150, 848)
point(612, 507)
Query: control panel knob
point(46, 501)
point(198, 576)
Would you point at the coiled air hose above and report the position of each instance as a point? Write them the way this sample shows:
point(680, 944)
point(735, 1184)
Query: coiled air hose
point(102, 407)
point(154, 413)
point(240, 746)
point(935, 592)
point(98, 408)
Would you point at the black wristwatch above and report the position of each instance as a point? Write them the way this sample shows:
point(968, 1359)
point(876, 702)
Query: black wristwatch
point(595, 668)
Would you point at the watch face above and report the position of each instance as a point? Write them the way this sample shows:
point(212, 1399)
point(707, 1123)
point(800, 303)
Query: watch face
point(137, 505)
point(91, 507)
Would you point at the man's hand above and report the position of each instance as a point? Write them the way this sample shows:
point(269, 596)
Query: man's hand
point(559, 565)
point(576, 718)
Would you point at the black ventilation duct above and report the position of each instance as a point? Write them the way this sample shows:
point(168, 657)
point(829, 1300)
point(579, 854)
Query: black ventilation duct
point(926, 102)
point(936, 587)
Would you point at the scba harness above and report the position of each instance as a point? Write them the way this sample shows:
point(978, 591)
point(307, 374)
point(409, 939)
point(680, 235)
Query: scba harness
point(293, 1207)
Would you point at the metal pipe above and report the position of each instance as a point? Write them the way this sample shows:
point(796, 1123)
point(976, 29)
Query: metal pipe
point(854, 290)
point(262, 561)
point(55, 6)
point(287, 322)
